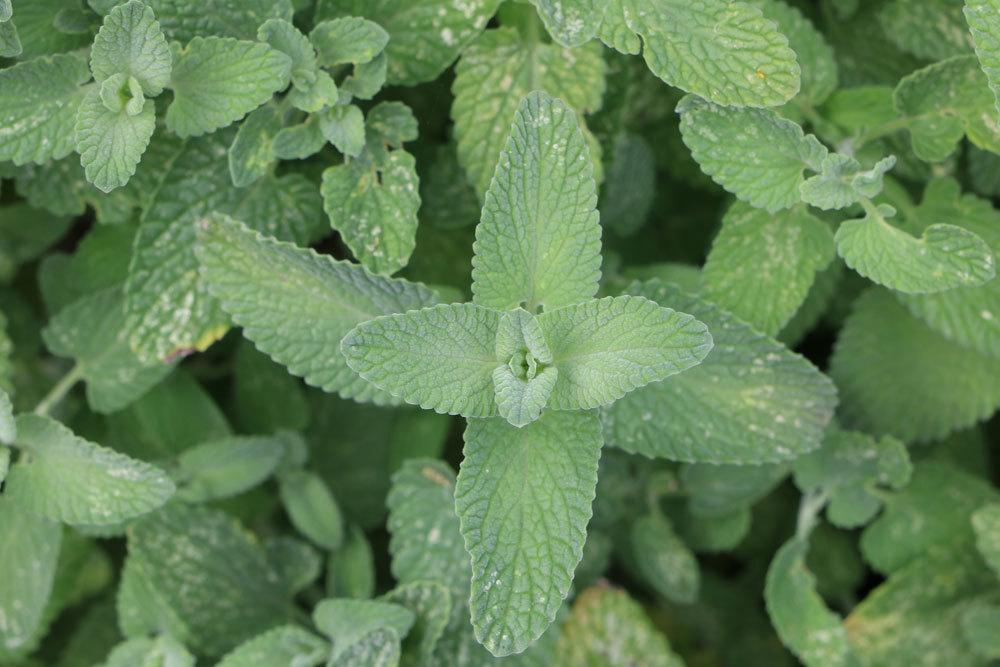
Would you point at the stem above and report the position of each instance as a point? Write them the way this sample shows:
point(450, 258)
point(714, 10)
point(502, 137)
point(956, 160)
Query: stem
point(810, 507)
point(59, 391)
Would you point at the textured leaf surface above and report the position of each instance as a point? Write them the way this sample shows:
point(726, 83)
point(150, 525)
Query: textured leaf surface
point(38, 103)
point(425, 36)
point(251, 155)
point(984, 21)
point(929, 29)
point(130, 42)
point(348, 622)
point(348, 40)
point(843, 182)
point(439, 358)
point(224, 468)
point(753, 153)
point(571, 22)
point(212, 575)
point(111, 143)
point(724, 52)
point(897, 376)
point(219, 80)
point(266, 286)
point(67, 478)
point(663, 559)
point(607, 628)
point(762, 265)
point(986, 524)
point(312, 508)
point(284, 645)
point(608, 347)
point(539, 241)
point(750, 401)
point(431, 605)
point(495, 73)
point(8, 429)
point(373, 204)
point(944, 257)
point(183, 19)
point(524, 499)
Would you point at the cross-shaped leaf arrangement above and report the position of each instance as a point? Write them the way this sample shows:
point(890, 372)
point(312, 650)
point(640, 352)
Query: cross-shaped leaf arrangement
point(528, 362)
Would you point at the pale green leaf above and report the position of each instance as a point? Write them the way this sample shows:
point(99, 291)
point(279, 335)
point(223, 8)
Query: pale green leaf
point(843, 181)
point(986, 524)
point(944, 257)
point(163, 650)
point(607, 628)
point(753, 153)
point(614, 31)
point(348, 622)
point(524, 499)
point(69, 479)
point(373, 203)
point(182, 20)
point(425, 36)
point(380, 648)
point(10, 43)
point(38, 103)
point(349, 40)
point(983, 17)
point(520, 400)
point(8, 428)
point(350, 570)
point(252, 153)
point(724, 52)
point(663, 559)
point(750, 401)
point(111, 143)
point(440, 358)
point(538, 243)
point(607, 348)
point(265, 285)
point(29, 551)
point(981, 629)
point(223, 468)
point(762, 265)
point(495, 73)
point(284, 646)
point(312, 508)
point(297, 561)
point(430, 603)
point(929, 29)
point(897, 376)
point(130, 42)
point(218, 80)
point(344, 127)
point(629, 188)
point(805, 625)
point(571, 22)
point(297, 142)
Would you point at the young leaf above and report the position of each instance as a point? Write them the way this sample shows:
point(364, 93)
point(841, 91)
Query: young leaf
point(111, 143)
point(539, 241)
point(252, 153)
point(344, 127)
point(897, 376)
point(606, 348)
point(750, 401)
point(944, 257)
point(218, 80)
point(762, 265)
point(6, 11)
point(38, 103)
point(843, 182)
point(224, 468)
point(312, 508)
point(130, 42)
point(524, 499)
point(265, 285)
point(284, 645)
point(66, 478)
point(984, 21)
point(348, 41)
point(571, 22)
point(610, 629)
point(350, 570)
point(753, 153)
point(986, 524)
point(663, 559)
point(751, 63)
point(496, 72)
point(439, 358)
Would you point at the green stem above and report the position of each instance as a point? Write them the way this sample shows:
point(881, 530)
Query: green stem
point(810, 507)
point(58, 392)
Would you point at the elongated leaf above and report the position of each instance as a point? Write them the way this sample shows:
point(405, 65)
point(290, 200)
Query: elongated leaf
point(986, 524)
point(524, 499)
point(984, 21)
point(8, 428)
point(111, 143)
point(539, 240)
point(224, 468)
point(571, 22)
point(130, 42)
point(312, 508)
point(265, 285)
point(348, 40)
point(663, 560)
point(67, 478)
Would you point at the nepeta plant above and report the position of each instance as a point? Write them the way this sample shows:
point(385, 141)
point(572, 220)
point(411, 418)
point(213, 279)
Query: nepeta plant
point(584, 333)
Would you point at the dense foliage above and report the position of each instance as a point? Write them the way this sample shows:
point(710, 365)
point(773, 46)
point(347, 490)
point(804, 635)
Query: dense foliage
point(585, 333)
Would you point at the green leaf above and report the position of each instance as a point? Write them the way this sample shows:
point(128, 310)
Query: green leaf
point(265, 285)
point(10, 43)
point(218, 80)
point(805, 625)
point(297, 142)
point(111, 143)
point(148, 651)
point(538, 243)
point(945, 101)
point(222, 592)
point(762, 265)
point(614, 31)
point(312, 89)
point(266, 399)
point(430, 603)
point(284, 645)
point(750, 401)
point(36, 21)
point(344, 127)
point(524, 499)
point(607, 628)
point(663, 559)
point(66, 478)
point(986, 524)
point(425, 36)
point(629, 185)
point(297, 561)
point(897, 376)
point(843, 182)
point(751, 61)
point(440, 358)
point(91, 331)
point(348, 41)
point(983, 17)
point(182, 20)
point(350, 570)
point(495, 73)
point(312, 508)
point(753, 153)
point(373, 203)
point(717, 490)
point(944, 257)
point(130, 42)
point(607, 348)
point(8, 428)
point(29, 550)
point(348, 622)
point(571, 22)
point(929, 29)
point(38, 103)
point(981, 629)
point(252, 154)
point(223, 468)
point(5, 11)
